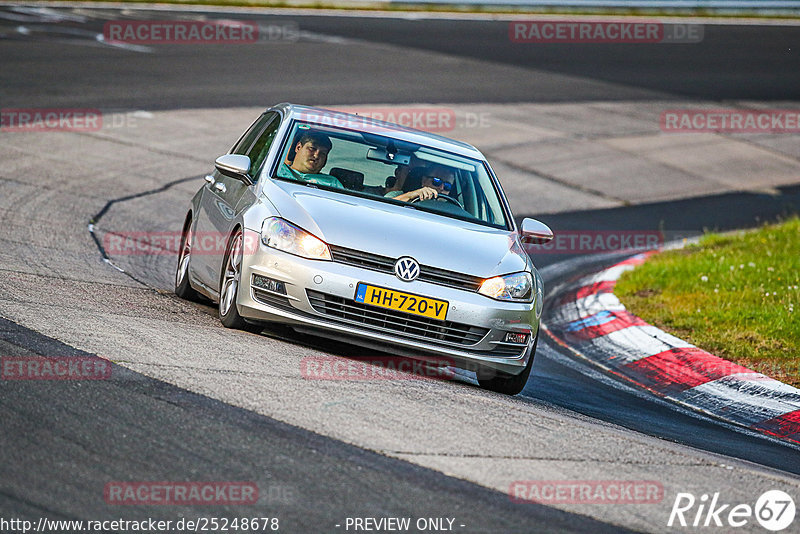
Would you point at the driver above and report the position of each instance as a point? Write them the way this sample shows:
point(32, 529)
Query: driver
point(436, 180)
point(398, 181)
point(311, 154)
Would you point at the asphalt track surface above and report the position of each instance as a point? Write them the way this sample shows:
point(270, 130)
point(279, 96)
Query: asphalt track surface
point(732, 62)
point(309, 479)
point(62, 442)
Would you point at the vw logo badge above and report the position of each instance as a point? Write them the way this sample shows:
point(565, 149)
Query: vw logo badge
point(406, 269)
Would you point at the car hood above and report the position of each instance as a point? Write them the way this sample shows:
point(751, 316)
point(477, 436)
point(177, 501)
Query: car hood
point(394, 231)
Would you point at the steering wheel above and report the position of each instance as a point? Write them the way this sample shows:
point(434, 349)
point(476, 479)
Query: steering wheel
point(440, 197)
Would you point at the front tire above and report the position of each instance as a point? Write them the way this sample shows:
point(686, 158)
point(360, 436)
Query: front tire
point(509, 384)
point(183, 288)
point(229, 286)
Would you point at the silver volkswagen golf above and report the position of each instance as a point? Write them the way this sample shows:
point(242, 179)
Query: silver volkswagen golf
point(371, 233)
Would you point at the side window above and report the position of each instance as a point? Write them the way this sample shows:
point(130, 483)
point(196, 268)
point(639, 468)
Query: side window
point(246, 141)
point(258, 153)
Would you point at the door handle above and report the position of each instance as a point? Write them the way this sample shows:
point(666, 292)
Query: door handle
point(219, 186)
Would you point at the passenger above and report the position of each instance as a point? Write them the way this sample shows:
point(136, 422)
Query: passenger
point(310, 156)
point(434, 180)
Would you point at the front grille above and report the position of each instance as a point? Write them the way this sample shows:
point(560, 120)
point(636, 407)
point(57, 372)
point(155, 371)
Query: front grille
point(362, 259)
point(507, 350)
point(385, 264)
point(403, 324)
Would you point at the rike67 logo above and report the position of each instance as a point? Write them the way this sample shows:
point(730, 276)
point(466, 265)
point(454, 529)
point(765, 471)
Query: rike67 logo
point(774, 510)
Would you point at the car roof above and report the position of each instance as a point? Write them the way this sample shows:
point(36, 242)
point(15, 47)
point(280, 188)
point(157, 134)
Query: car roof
point(397, 131)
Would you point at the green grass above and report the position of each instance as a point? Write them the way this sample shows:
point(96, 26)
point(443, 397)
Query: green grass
point(734, 295)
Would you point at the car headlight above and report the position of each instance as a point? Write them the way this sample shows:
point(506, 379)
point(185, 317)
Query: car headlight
point(517, 286)
point(283, 235)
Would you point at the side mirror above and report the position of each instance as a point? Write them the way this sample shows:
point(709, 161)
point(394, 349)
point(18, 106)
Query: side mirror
point(234, 166)
point(535, 232)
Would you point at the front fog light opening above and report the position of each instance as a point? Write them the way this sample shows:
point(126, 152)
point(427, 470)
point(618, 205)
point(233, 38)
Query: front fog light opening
point(268, 284)
point(520, 338)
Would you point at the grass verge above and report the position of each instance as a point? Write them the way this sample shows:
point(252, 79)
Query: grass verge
point(735, 295)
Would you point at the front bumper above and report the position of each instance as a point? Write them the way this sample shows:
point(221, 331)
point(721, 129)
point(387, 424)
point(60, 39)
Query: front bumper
point(319, 296)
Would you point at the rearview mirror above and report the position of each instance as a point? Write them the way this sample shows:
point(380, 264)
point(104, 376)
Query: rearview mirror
point(535, 232)
point(234, 166)
point(385, 156)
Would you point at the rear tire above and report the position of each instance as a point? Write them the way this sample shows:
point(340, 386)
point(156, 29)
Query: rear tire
point(182, 286)
point(229, 286)
point(510, 384)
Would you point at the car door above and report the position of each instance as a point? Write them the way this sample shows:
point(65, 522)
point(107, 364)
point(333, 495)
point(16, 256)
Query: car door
point(223, 197)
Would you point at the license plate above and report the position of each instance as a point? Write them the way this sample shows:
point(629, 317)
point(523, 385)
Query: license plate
point(404, 302)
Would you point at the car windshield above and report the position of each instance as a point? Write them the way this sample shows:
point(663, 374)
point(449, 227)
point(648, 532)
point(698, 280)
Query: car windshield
point(372, 165)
